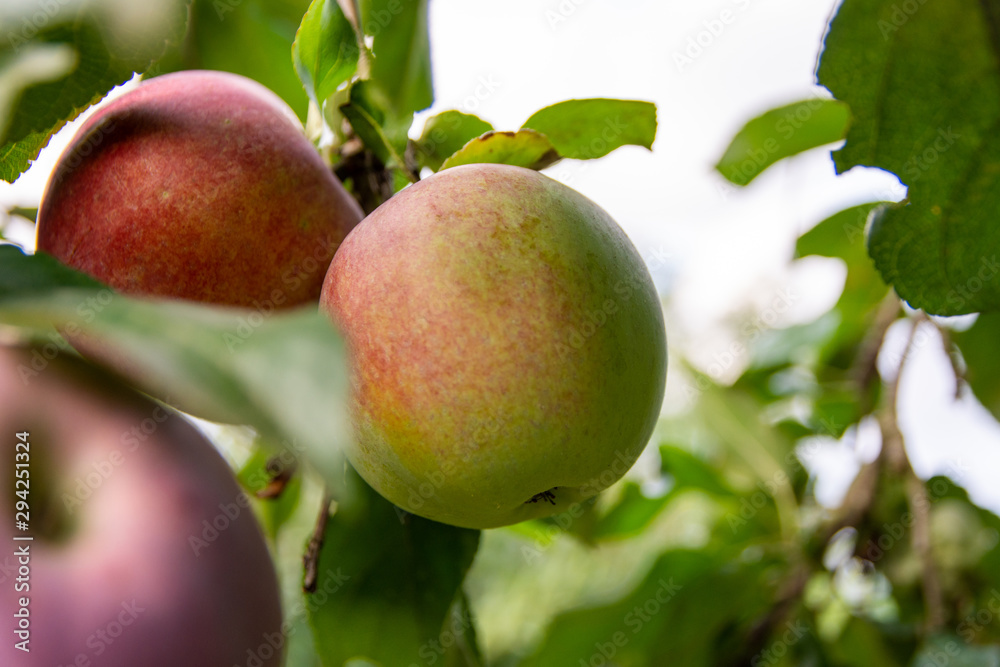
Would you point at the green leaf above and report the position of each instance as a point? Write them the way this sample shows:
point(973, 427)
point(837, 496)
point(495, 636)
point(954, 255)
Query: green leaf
point(369, 123)
point(22, 274)
point(588, 129)
point(979, 349)
point(107, 52)
point(955, 652)
point(924, 91)
point(524, 148)
point(842, 236)
point(395, 577)
point(401, 68)
point(635, 511)
point(445, 134)
point(325, 51)
point(284, 374)
point(782, 133)
point(220, 36)
point(674, 617)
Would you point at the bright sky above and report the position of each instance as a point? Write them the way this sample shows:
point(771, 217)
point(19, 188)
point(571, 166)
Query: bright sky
point(710, 66)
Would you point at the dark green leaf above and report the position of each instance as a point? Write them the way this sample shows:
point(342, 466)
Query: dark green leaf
point(107, 49)
point(781, 133)
point(979, 349)
point(863, 642)
point(588, 129)
point(953, 651)
point(401, 68)
point(26, 213)
point(924, 91)
point(445, 134)
point(691, 472)
point(842, 236)
point(285, 374)
point(675, 617)
point(369, 122)
point(22, 274)
point(252, 38)
point(393, 579)
point(325, 51)
point(524, 148)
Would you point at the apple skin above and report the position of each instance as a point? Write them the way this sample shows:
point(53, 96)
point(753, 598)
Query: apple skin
point(121, 584)
point(197, 185)
point(506, 341)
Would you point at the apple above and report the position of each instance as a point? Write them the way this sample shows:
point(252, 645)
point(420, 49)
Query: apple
point(507, 344)
point(197, 185)
point(143, 549)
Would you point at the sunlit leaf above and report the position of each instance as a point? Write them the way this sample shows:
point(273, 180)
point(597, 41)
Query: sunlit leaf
point(782, 133)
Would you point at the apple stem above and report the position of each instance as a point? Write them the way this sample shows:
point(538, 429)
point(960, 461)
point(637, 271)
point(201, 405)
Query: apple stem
point(315, 546)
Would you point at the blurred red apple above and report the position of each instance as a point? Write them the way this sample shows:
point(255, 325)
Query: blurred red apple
point(144, 550)
point(507, 342)
point(197, 185)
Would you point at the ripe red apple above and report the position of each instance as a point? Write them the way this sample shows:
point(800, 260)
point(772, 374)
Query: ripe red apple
point(144, 550)
point(197, 185)
point(508, 347)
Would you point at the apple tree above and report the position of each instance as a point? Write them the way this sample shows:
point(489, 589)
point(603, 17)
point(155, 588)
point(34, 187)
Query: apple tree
point(715, 549)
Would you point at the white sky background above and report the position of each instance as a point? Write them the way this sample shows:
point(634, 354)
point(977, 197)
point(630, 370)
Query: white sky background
point(719, 252)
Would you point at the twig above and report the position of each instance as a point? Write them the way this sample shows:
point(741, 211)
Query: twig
point(894, 449)
point(315, 546)
point(920, 506)
point(865, 368)
point(952, 353)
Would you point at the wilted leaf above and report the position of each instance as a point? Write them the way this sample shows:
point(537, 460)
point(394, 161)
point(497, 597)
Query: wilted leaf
point(524, 148)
